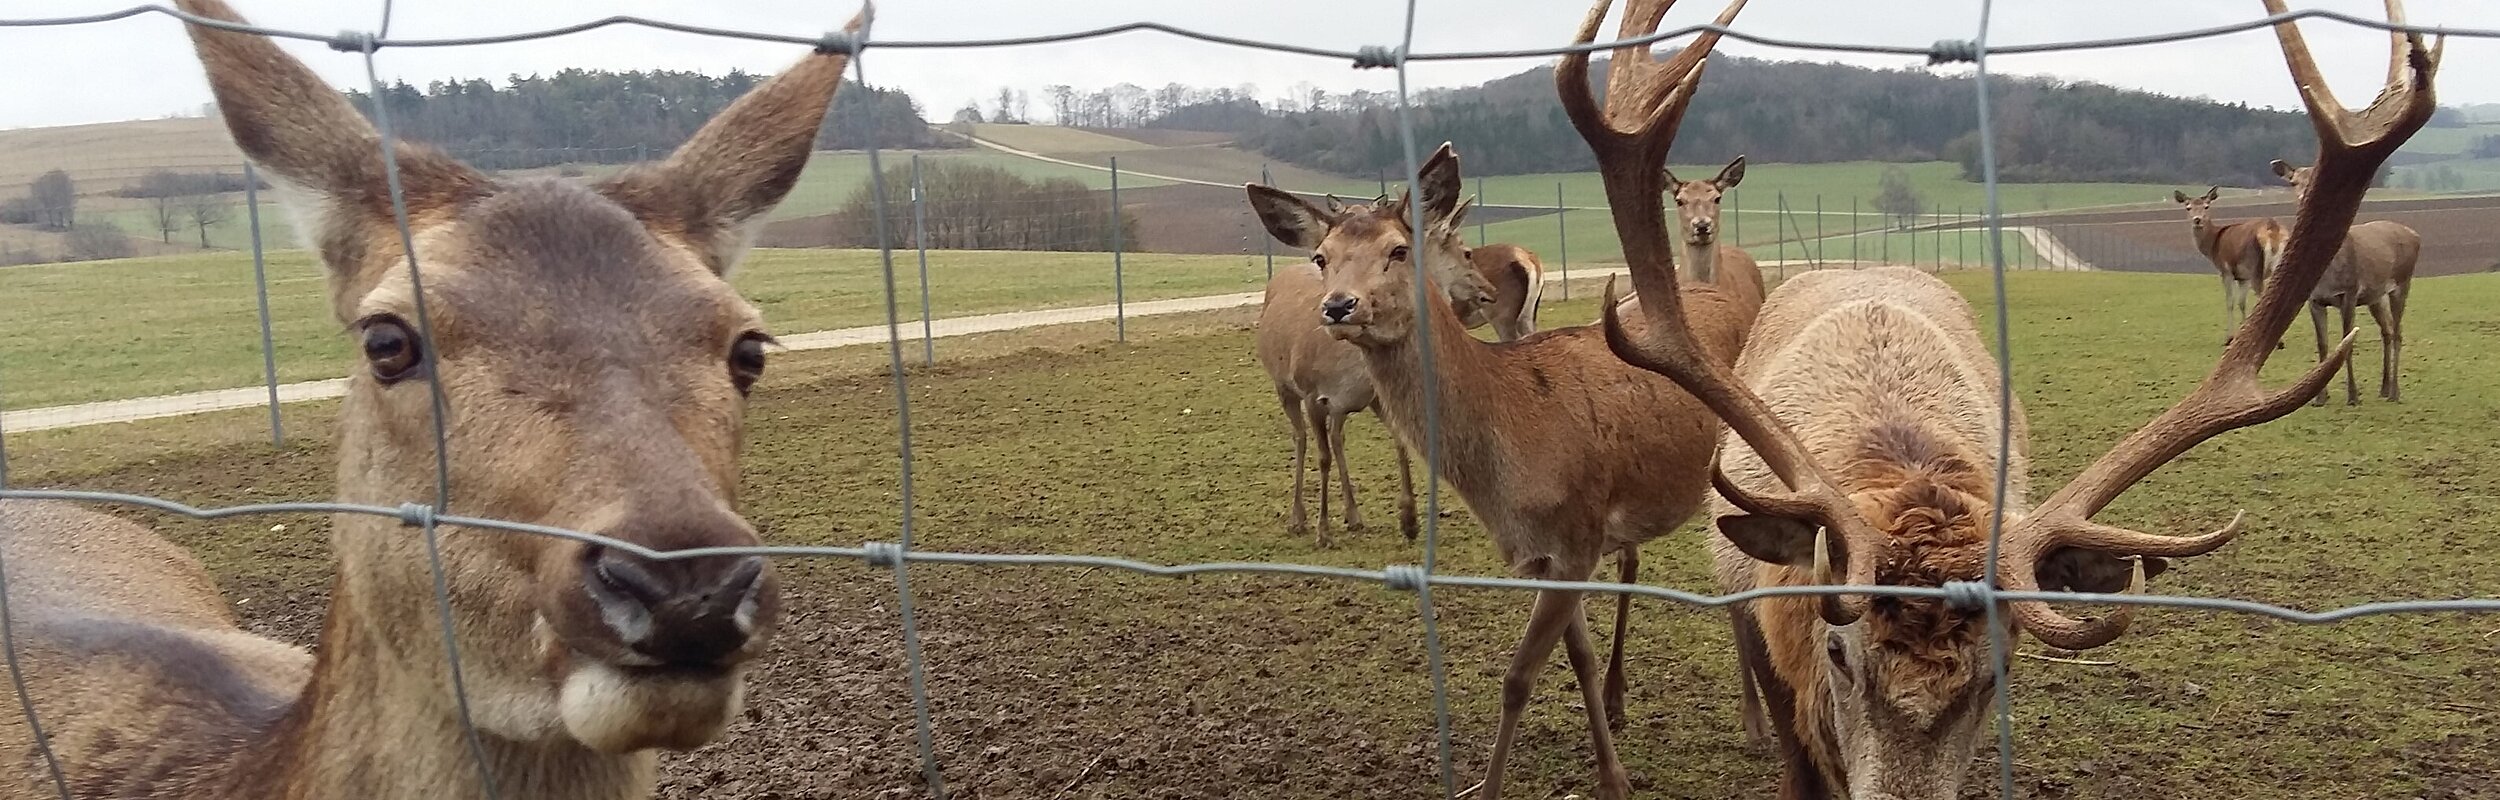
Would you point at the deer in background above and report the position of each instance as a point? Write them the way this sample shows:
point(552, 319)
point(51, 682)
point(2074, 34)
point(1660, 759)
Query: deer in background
point(593, 364)
point(1518, 281)
point(2243, 252)
point(1565, 453)
point(2373, 268)
point(1863, 427)
point(1320, 381)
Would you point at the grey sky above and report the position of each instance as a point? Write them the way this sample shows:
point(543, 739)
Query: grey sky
point(142, 68)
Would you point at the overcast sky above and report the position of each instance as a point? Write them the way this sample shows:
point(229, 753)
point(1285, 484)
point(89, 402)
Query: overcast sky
point(143, 68)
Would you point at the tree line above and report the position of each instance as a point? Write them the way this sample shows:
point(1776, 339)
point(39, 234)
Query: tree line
point(1774, 111)
point(578, 115)
point(973, 206)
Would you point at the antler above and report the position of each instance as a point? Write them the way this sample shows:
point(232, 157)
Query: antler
point(1631, 135)
point(2350, 149)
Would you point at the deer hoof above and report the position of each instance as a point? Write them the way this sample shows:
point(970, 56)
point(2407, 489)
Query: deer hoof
point(1614, 785)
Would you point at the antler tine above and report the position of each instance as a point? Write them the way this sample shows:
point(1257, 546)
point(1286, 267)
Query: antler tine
point(2350, 151)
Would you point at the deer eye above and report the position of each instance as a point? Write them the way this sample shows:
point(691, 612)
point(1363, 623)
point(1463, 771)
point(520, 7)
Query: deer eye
point(746, 361)
point(1397, 253)
point(1319, 260)
point(393, 350)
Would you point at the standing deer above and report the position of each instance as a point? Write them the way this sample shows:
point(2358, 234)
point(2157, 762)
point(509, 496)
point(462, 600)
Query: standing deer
point(1863, 432)
point(1564, 452)
point(2374, 268)
point(1518, 282)
point(2243, 252)
point(1697, 222)
point(1320, 380)
point(592, 364)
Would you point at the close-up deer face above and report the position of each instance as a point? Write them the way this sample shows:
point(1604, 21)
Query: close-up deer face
point(592, 364)
point(2200, 209)
point(1697, 203)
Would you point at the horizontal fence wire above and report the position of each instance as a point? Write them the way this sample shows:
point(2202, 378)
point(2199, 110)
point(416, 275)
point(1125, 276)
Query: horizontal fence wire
point(897, 556)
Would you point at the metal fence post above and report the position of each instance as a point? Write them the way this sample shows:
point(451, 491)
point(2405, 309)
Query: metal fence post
point(920, 241)
point(1854, 261)
point(1939, 249)
point(1736, 216)
point(1779, 232)
point(1267, 244)
point(1119, 281)
point(1819, 243)
point(1480, 200)
point(260, 286)
point(1961, 238)
point(1384, 181)
point(1912, 229)
point(1562, 238)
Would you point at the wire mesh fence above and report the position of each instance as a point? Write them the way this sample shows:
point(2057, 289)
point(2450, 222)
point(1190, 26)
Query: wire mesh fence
point(893, 209)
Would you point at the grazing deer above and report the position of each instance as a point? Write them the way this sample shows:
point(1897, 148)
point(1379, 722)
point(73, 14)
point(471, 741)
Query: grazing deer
point(1518, 282)
point(2243, 252)
point(1864, 425)
point(592, 365)
point(2374, 268)
point(1320, 380)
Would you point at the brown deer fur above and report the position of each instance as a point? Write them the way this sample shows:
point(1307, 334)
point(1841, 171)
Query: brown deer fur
point(2373, 269)
point(594, 365)
point(1565, 453)
point(2242, 252)
point(1518, 281)
point(1863, 427)
point(1320, 380)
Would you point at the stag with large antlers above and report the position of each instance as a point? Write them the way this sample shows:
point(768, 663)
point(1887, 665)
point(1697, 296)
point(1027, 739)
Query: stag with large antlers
point(2374, 269)
point(1564, 452)
point(1864, 424)
point(592, 364)
point(1320, 380)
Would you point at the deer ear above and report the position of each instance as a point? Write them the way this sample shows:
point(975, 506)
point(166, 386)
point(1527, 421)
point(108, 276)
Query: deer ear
point(1291, 219)
point(2213, 193)
point(715, 189)
point(2281, 170)
point(1734, 174)
point(306, 133)
point(2092, 571)
point(1669, 174)
point(2178, 197)
point(1777, 540)
point(1438, 182)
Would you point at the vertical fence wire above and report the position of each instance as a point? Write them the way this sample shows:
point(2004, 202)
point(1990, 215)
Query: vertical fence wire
point(1119, 282)
point(8, 650)
point(260, 286)
point(1433, 656)
point(426, 350)
point(920, 243)
point(912, 657)
point(2000, 642)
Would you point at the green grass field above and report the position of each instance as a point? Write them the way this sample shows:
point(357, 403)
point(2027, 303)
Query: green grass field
point(1169, 450)
point(1590, 237)
point(116, 329)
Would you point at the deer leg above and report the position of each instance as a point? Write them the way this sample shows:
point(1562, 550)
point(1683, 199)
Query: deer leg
point(1296, 522)
point(1345, 473)
point(1629, 564)
point(1406, 480)
point(2396, 350)
point(2230, 308)
point(2388, 340)
point(1318, 412)
point(1612, 782)
point(1546, 624)
point(1757, 726)
point(2352, 373)
point(2317, 320)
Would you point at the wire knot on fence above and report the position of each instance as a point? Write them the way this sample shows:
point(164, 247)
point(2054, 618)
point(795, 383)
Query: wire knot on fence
point(1952, 51)
point(1373, 56)
point(354, 42)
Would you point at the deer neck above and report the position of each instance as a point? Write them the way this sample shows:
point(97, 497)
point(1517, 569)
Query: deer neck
point(1704, 259)
point(1459, 380)
point(2208, 236)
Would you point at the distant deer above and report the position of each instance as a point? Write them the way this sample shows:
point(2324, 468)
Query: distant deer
point(2243, 252)
point(1320, 380)
point(1862, 450)
point(2374, 268)
point(593, 364)
point(1564, 452)
point(1697, 222)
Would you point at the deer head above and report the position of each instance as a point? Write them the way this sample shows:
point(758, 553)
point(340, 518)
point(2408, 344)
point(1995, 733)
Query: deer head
point(1926, 524)
point(1366, 253)
point(2200, 209)
point(1697, 203)
point(592, 364)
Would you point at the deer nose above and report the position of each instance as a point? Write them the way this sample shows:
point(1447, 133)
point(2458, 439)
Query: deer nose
point(689, 612)
point(1336, 308)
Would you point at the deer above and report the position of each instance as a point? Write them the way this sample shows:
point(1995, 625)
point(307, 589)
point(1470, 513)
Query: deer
point(1562, 451)
point(590, 362)
point(1862, 450)
point(1320, 381)
point(2374, 269)
point(2242, 252)
point(1517, 278)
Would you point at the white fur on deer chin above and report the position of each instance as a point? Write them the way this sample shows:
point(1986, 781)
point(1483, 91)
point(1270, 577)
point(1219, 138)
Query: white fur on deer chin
point(613, 711)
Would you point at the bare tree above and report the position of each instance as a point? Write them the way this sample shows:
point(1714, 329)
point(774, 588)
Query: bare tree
point(55, 201)
point(168, 216)
point(1062, 103)
point(96, 241)
point(1023, 106)
point(205, 210)
point(1006, 106)
point(1898, 198)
